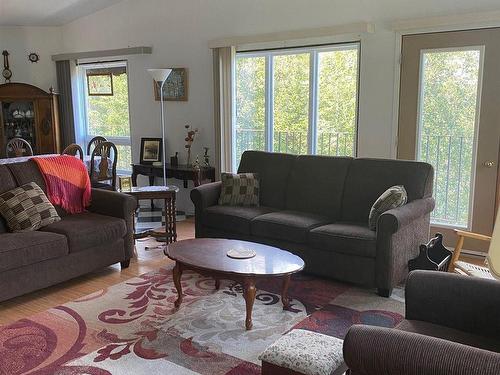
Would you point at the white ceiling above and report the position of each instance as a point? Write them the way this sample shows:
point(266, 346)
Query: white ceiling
point(48, 12)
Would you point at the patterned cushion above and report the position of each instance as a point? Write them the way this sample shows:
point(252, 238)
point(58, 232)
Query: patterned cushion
point(27, 208)
point(393, 197)
point(239, 189)
point(306, 352)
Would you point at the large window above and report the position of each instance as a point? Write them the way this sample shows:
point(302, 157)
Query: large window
point(104, 92)
point(297, 101)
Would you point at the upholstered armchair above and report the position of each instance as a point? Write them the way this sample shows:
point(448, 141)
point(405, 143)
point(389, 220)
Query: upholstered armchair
point(452, 326)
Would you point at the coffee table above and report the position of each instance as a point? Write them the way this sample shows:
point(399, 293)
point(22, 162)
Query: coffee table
point(208, 256)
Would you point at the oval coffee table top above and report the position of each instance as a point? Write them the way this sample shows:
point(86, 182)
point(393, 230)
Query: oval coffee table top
point(211, 254)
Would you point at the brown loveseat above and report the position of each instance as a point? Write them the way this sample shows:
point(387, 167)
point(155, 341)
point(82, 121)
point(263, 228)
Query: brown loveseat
point(317, 207)
point(76, 245)
point(451, 327)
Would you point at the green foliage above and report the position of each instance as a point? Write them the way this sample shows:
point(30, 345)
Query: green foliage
point(338, 72)
point(108, 116)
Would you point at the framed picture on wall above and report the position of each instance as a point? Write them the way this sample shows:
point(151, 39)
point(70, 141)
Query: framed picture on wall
point(151, 150)
point(175, 87)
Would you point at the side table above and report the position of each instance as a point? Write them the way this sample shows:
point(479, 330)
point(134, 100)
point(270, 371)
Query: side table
point(168, 233)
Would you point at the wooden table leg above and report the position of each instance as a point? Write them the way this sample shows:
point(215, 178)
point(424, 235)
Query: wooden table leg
point(217, 284)
point(249, 292)
point(177, 273)
point(284, 292)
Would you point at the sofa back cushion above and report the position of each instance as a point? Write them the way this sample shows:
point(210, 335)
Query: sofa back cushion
point(316, 184)
point(367, 179)
point(27, 171)
point(273, 170)
point(7, 182)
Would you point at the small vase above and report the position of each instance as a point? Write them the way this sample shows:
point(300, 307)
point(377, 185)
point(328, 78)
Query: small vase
point(189, 157)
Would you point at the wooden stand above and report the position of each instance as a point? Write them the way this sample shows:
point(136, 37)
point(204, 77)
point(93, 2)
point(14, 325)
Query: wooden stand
point(168, 233)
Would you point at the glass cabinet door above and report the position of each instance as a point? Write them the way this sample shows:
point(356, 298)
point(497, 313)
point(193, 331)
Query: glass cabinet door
point(19, 121)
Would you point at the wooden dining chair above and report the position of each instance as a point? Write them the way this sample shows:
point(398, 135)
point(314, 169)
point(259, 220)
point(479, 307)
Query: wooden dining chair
point(18, 147)
point(94, 142)
point(103, 166)
point(72, 150)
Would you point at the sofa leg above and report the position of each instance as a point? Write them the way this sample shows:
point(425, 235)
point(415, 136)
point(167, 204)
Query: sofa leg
point(125, 264)
point(384, 292)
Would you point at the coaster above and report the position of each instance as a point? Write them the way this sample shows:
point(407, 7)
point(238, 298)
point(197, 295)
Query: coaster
point(241, 253)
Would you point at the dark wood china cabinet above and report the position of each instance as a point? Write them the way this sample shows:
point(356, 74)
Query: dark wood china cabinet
point(30, 113)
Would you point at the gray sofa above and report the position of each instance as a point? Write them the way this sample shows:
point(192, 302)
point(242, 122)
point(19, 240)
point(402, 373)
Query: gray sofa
point(317, 207)
point(451, 327)
point(76, 245)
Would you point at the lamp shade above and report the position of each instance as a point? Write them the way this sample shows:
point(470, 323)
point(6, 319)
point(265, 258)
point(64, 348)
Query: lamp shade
point(494, 252)
point(159, 75)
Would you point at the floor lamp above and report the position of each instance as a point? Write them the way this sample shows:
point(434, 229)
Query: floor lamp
point(161, 75)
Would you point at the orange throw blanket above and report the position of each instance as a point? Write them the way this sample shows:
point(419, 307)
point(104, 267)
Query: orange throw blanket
point(67, 180)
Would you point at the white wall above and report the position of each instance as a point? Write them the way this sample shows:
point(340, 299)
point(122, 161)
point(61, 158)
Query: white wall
point(21, 41)
point(179, 32)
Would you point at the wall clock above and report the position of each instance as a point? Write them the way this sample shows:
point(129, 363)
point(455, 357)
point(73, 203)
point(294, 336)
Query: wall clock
point(33, 57)
point(6, 73)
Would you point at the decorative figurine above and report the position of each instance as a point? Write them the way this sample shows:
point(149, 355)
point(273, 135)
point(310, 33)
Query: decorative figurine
point(196, 164)
point(206, 157)
point(189, 141)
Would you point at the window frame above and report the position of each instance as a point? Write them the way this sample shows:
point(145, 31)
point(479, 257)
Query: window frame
point(313, 51)
point(82, 126)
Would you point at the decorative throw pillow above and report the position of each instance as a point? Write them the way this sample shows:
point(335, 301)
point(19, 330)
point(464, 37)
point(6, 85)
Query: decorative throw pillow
point(26, 208)
point(239, 189)
point(393, 197)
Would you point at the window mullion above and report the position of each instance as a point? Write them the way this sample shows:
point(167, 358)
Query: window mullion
point(312, 135)
point(269, 102)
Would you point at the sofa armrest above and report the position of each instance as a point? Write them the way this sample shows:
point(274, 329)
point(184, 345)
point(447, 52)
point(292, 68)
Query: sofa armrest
point(112, 203)
point(393, 220)
point(400, 232)
point(465, 303)
point(206, 195)
point(375, 350)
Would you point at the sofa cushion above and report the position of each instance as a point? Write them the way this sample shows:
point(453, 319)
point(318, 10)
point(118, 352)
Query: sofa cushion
point(239, 189)
point(87, 230)
point(450, 334)
point(316, 185)
point(273, 170)
point(292, 226)
point(346, 238)
point(27, 208)
point(22, 249)
point(393, 197)
point(367, 179)
point(235, 219)
point(7, 182)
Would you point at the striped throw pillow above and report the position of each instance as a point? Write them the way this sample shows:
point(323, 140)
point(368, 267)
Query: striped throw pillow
point(239, 189)
point(393, 197)
point(26, 208)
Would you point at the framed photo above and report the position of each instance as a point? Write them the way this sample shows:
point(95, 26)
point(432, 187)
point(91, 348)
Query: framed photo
point(151, 150)
point(100, 84)
point(125, 183)
point(175, 87)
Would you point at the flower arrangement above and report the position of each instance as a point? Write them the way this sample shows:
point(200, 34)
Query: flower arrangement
point(189, 141)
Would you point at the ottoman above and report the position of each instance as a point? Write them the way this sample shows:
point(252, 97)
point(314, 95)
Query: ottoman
point(304, 352)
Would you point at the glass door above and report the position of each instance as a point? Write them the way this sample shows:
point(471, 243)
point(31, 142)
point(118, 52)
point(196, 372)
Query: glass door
point(449, 117)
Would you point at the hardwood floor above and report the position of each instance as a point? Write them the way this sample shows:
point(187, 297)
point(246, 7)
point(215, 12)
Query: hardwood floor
point(145, 261)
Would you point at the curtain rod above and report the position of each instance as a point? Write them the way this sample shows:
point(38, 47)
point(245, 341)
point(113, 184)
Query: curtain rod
point(296, 47)
point(99, 62)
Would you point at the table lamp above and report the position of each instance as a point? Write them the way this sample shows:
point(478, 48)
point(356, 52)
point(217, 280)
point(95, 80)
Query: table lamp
point(493, 257)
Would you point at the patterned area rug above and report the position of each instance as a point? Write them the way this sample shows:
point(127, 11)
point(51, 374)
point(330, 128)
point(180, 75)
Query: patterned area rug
point(133, 328)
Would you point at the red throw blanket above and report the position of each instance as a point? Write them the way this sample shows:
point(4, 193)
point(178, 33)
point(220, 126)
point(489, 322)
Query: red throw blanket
point(67, 180)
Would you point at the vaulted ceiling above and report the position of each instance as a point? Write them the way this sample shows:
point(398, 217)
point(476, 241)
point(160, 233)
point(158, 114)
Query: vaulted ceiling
point(48, 12)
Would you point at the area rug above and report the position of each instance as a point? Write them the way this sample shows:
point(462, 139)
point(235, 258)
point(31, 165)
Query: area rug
point(133, 327)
